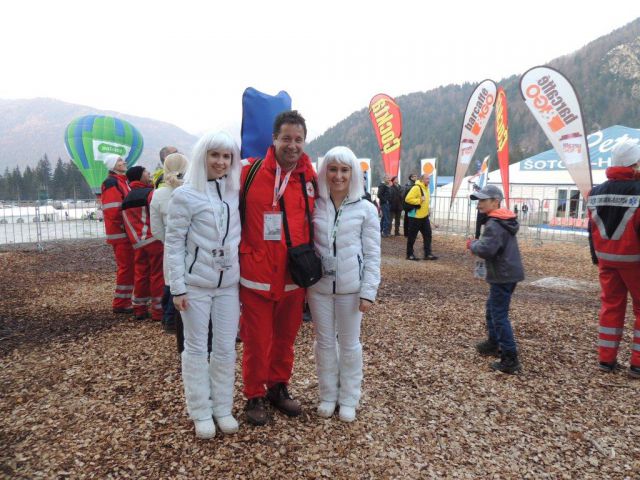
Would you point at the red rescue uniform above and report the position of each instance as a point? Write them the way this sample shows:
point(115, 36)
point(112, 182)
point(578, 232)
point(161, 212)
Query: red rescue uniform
point(114, 189)
point(272, 303)
point(614, 235)
point(148, 251)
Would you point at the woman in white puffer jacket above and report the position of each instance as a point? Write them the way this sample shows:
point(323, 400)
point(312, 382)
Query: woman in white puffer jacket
point(174, 168)
point(347, 236)
point(202, 238)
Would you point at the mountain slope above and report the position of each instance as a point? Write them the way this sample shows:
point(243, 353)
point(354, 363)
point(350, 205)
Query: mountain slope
point(31, 128)
point(605, 73)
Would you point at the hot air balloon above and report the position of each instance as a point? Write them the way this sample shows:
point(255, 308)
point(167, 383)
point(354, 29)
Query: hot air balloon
point(91, 138)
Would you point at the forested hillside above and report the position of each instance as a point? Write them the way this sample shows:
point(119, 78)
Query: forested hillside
point(606, 74)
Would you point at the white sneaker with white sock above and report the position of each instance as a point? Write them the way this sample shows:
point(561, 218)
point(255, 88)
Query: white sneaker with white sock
point(227, 424)
point(326, 409)
point(205, 429)
point(347, 414)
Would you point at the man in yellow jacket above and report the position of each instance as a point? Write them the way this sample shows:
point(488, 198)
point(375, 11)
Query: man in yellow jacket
point(419, 218)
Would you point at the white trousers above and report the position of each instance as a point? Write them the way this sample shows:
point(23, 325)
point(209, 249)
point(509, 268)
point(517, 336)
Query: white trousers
point(338, 352)
point(208, 385)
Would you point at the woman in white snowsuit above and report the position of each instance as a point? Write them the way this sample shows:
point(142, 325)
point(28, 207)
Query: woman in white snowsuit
point(174, 168)
point(202, 238)
point(347, 236)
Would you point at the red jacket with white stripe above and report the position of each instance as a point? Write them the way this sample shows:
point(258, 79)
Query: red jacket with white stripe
point(263, 263)
point(114, 189)
point(614, 215)
point(136, 216)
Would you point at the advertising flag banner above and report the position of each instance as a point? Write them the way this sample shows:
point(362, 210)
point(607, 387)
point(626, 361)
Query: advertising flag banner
point(502, 140)
point(554, 104)
point(365, 166)
point(387, 125)
point(428, 166)
point(476, 117)
point(483, 173)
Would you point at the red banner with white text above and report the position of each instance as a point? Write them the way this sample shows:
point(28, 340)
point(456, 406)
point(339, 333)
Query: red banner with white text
point(386, 120)
point(502, 140)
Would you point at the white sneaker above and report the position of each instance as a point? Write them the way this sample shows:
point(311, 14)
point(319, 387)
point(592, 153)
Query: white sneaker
point(347, 414)
point(227, 424)
point(205, 429)
point(326, 409)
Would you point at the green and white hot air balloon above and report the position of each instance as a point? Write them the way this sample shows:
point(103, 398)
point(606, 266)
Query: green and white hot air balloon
point(91, 138)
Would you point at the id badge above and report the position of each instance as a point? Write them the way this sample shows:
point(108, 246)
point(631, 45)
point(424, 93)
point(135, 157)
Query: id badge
point(272, 226)
point(329, 266)
point(222, 258)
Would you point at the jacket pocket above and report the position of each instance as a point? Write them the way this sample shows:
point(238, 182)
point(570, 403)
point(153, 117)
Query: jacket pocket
point(195, 257)
point(254, 255)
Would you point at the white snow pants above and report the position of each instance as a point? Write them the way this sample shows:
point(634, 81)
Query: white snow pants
point(208, 386)
point(338, 352)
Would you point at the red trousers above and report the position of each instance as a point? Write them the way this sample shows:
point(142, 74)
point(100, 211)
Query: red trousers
point(148, 280)
point(268, 330)
point(615, 283)
point(124, 275)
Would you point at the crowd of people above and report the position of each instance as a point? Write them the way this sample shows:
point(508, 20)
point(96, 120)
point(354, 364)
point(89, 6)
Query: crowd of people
point(220, 249)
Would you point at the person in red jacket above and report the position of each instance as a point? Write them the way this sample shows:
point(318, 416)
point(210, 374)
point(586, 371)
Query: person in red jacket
point(614, 238)
point(114, 189)
point(271, 301)
point(148, 250)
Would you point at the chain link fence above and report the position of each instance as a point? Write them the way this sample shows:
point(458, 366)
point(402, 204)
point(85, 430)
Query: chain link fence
point(541, 221)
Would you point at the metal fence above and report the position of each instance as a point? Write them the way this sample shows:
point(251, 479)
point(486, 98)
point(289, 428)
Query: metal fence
point(38, 222)
point(540, 220)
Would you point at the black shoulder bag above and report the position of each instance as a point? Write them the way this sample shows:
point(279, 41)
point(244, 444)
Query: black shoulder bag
point(305, 266)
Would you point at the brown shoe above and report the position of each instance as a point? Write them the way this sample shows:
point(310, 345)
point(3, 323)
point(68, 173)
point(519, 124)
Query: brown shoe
point(279, 397)
point(255, 412)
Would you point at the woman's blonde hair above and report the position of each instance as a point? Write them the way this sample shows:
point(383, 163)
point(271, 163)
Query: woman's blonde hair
point(175, 165)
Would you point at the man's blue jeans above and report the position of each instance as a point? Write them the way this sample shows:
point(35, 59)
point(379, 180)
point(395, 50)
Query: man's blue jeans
point(385, 224)
point(497, 316)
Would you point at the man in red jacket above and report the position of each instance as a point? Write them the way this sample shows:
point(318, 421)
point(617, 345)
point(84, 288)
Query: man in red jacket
point(148, 278)
point(271, 301)
point(114, 189)
point(614, 238)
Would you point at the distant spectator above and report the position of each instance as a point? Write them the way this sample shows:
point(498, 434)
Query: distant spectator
point(158, 175)
point(175, 166)
point(384, 199)
point(114, 189)
point(397, 201)
point(405, 189)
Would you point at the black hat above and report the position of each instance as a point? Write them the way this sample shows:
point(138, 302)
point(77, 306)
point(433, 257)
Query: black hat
point(135, 173)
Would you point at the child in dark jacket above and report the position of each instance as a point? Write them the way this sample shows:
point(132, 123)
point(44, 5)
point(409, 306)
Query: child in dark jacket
point(498, 246)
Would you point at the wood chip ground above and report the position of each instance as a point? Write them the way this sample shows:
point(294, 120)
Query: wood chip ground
point(88, 394)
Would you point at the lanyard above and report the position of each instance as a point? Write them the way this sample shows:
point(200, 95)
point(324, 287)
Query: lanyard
point(278, 190)
point(219, 216)
point(334, 231)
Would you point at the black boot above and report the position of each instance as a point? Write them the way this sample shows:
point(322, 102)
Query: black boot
point(508, 363)
point(488, 348)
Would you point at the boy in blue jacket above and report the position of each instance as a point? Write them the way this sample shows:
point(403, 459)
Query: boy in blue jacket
point(498, 246)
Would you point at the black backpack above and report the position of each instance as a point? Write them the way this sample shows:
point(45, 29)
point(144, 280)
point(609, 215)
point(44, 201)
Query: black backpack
point(408, 207)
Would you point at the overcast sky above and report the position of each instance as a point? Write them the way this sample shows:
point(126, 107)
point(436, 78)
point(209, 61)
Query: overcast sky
point(187, 62)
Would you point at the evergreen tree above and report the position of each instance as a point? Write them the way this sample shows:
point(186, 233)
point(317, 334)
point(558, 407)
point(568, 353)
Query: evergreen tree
point(57, 189)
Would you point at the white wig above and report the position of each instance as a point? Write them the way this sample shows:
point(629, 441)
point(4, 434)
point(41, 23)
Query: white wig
point(342, 156)
point(197, 172)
